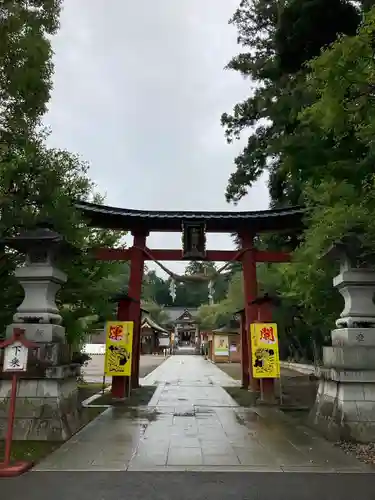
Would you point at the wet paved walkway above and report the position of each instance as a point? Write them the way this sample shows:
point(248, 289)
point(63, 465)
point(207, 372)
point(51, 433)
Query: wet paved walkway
point(191, 423)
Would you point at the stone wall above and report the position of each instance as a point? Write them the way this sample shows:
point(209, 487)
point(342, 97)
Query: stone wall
point(345, 406)
point(46, 409)
point(306, 369)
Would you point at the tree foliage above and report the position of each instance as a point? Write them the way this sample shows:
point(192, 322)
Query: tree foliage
point(297, 38)
point(316, 141)
point(278, 38)
point(36, 181)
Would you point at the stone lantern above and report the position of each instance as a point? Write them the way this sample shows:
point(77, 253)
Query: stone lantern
point(47, 404)
point(41, 280)
point(345, 402)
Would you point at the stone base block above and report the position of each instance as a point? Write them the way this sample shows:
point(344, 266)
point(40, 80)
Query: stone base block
point(46, 409)
point(353, 337)
point(349, 357)
point(39, 332)
point(338, 375)
point(345, 410)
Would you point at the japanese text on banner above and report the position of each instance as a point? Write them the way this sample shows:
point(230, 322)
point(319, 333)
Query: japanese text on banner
point(118, 352)
point(265, 350)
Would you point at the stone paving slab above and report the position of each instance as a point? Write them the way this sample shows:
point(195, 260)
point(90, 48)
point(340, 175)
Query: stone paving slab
point(193, 424)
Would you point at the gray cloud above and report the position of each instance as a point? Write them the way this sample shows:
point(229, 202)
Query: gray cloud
point(139, 88)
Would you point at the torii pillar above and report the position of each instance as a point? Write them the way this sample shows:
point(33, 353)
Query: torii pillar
point(245, 362)
point(249, 267)
point(135, 289)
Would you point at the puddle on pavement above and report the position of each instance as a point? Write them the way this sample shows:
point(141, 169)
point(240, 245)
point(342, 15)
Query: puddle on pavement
point(204, 410)
point(190, 413)
point(246, 418)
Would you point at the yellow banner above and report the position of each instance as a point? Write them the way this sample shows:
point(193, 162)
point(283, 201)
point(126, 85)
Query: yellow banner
point(265, 350)
point(118, 352)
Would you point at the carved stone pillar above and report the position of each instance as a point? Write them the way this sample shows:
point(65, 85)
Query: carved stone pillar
point(345, 402)
point(47, 400)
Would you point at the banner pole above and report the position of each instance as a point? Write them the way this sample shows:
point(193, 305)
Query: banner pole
point(12, 410)
point(103, 384)
point(281, 390)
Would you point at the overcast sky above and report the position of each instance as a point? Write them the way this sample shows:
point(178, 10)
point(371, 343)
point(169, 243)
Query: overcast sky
point(139, 88)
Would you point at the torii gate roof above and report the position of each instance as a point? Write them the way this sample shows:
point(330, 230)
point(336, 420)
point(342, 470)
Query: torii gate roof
point(103, 216)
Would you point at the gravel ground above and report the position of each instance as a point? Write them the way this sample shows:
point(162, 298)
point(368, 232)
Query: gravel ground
point(364, 452)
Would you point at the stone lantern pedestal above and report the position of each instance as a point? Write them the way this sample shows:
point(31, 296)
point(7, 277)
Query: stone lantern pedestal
point(47, 405)
point(345, 402)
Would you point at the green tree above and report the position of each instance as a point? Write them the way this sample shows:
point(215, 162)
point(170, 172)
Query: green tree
point(25, 64)
point(268, 30)
point(156, 289)
point(37, 181)
point(219, 314)
point(156, 311)
point(342, 201)
point(297, 38)
point(311, 129)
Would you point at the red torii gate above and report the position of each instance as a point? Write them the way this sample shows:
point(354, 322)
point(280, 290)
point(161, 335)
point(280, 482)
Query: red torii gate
point(140, 223)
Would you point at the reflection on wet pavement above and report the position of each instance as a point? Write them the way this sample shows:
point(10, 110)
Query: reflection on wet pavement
point(191, 423)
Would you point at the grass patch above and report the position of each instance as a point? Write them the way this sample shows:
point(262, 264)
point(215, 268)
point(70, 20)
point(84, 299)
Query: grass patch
point(231, 369)
point(299, 391)
point(139, 397)
point(242, 396)
point(31, 451)
point(89, 413)
point(86, 390)
point(95, 386)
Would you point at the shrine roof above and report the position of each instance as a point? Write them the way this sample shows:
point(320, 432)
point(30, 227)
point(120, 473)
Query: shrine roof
point(175, 314)
point(103, 216)
point(147, 320)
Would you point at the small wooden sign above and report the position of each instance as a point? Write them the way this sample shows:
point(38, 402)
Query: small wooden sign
point(194, 240)
point(16, 350)
point(15, 357)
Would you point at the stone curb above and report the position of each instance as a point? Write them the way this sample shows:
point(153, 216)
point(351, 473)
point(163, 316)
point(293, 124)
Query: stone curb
point(94, 397)
point(298, 367)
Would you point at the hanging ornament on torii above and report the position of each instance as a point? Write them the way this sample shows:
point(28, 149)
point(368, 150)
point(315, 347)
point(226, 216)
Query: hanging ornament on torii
point(172, 289)
point(194, 248)
point(211, 292)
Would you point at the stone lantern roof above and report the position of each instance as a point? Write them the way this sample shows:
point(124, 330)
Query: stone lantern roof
point(347, 250)
point(27, 239)
point(42, 237)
